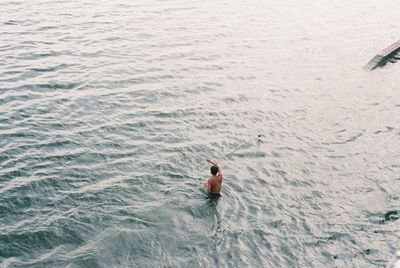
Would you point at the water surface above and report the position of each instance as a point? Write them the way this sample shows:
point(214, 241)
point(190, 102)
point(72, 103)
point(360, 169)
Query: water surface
point(108, 110)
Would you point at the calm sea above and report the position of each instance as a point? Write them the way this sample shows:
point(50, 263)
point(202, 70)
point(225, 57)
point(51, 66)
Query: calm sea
point(109, 109)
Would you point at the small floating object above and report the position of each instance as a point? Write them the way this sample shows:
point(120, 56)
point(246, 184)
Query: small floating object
point(392, 215)
point(383, 57)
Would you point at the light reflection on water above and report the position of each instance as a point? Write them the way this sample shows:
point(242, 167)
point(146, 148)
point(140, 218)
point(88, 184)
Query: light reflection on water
point(108, 111)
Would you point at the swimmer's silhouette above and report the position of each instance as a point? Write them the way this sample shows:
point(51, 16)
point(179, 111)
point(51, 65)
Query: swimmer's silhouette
point(214, 184)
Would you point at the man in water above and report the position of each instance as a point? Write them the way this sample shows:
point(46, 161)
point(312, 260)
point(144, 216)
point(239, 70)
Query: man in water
point(213, 185)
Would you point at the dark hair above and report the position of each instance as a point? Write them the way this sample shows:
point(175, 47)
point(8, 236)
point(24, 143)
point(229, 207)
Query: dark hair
point(214, 170)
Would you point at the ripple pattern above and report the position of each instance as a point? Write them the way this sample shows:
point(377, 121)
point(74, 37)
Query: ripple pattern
point(108, 110)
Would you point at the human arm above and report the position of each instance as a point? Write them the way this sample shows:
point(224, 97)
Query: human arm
point(212, 162)
point(207, 185)
point(219, 172)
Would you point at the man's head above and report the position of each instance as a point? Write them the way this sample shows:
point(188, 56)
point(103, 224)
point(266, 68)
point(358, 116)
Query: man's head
point(214, 170)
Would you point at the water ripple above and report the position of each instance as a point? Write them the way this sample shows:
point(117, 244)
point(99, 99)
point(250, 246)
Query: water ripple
point(108, 111)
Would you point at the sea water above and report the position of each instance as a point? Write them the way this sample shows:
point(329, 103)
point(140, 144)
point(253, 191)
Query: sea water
point(109, 109)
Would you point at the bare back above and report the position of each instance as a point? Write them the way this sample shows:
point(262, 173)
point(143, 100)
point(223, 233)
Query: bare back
point(214, 184)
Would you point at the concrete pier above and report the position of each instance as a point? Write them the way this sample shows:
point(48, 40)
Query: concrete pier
point(383, 56)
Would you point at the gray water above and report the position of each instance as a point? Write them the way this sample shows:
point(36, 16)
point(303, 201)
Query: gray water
point(108, 110)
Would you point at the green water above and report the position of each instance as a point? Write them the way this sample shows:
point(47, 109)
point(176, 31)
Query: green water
point(108, 110)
